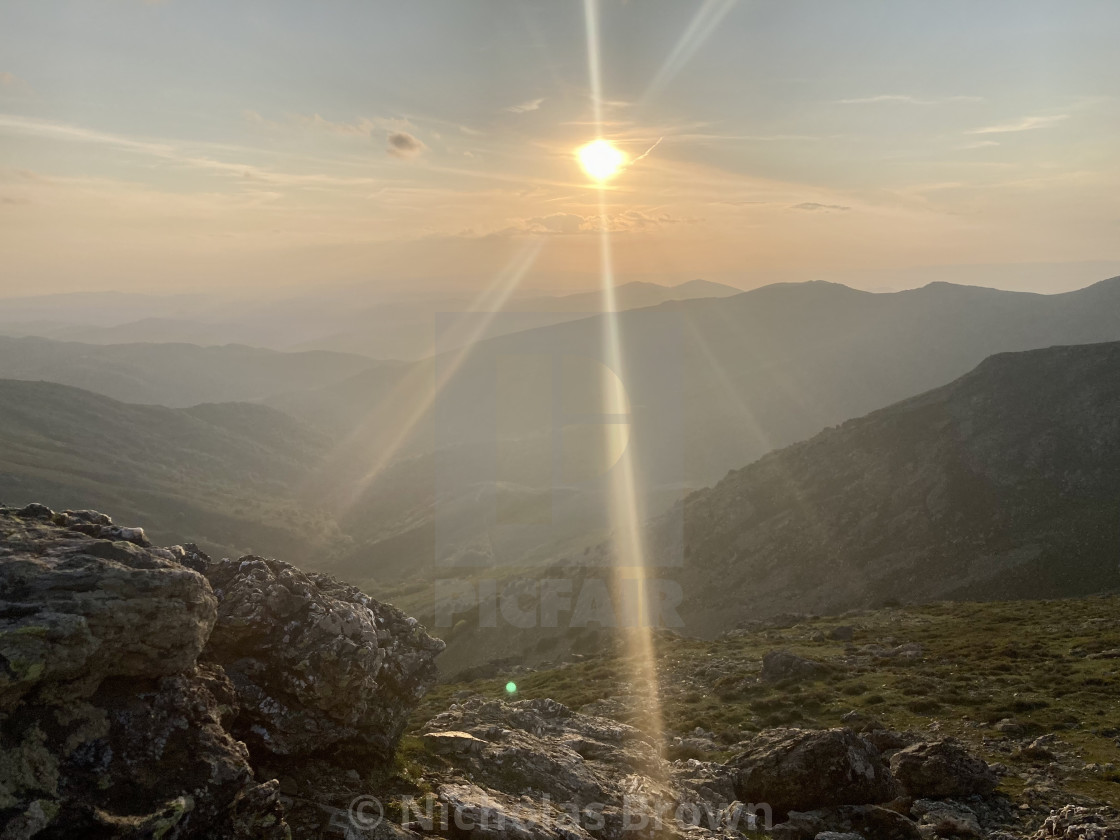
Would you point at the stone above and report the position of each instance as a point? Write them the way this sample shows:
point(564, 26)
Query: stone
point(76, 609)
point(946, 819)
point(802, 770)
point(942, 770)
point(542, 759)
point(780, 665)
point(1073, 822)
point(315, 663)
point(138, 755)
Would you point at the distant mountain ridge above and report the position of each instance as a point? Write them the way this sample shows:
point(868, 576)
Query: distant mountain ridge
point(176, 375)
point(400, 329)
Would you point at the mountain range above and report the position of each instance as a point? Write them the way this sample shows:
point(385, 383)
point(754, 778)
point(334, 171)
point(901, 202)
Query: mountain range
point(404, 468)
point(338, 320)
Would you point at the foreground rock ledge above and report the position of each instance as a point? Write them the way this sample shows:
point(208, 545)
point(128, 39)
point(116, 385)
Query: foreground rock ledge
point(118, 716)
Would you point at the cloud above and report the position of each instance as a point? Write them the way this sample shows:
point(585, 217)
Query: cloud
point(1025, 124)
point(360, 127)
point(907, 99)
point(568, 224)
point(404, 145)
point(814, 207)
point(173, 154)
point(531, 105)
point(13, 83)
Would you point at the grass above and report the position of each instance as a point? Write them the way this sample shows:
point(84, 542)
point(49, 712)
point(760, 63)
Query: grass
point(1030, 661)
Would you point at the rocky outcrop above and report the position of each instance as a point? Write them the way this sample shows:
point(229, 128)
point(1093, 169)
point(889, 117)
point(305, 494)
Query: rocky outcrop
point(81, 601)
point(942, 770)
point(1077, 823)
point(541, 770)
point(778, 665)
point(315, 662)
point(118, 717)
point(802, 770)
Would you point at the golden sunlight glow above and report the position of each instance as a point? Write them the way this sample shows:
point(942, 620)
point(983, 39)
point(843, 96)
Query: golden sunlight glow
point(600, 159)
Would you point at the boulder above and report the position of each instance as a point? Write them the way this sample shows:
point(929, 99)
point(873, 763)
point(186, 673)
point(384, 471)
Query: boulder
point(802, 770)
point(946, 819)
point(942, 770)
point(780, 665)
point(315, 663)
point(76, 609)
point(865, 822)
point(108, 728)
point(1078, 823)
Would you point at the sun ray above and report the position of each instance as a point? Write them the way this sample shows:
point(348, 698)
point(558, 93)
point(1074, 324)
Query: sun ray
point(707, 19)
point(420, 389)
point(630, 566)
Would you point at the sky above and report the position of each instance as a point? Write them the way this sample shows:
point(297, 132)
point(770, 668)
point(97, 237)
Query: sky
point(414, 147)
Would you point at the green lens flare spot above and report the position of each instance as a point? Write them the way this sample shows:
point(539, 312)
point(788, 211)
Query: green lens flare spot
point(511, 688)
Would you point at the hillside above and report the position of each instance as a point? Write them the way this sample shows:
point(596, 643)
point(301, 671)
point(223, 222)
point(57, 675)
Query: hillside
point(223, 475)
point(1003, 484)
point(175, 375)
point(711, 384)
point(720, 382)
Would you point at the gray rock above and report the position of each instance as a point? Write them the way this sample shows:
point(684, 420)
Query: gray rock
point(540, 759)
point(780, 665)
point(942, 770)
point(1077, 823)
point(315, 662)
point(800, 770)
point(76, 609)
point(946, 819)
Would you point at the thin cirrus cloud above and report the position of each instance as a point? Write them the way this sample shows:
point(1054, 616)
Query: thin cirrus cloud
point(906, 99)
point(815, 207)
point(1025, 124)
point(171, 153)
point(360, 127)
point(401, 144)
point(525, 107)
point(627, 221)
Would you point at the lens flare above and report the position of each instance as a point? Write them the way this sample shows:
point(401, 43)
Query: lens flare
point(600, 159)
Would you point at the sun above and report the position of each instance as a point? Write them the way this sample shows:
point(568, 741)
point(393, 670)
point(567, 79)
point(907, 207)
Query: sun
point(600, 159)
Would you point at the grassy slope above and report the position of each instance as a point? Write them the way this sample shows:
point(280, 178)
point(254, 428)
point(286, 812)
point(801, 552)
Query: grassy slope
point(981, 663)
point(224, 476)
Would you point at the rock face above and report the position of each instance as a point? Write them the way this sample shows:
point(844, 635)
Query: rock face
point(600, 778)
point(76, 610)
point(899, 503)
point(1075, 823)
point(942, 770)
point(315, 662)
point(802, 770)
point(117, 717)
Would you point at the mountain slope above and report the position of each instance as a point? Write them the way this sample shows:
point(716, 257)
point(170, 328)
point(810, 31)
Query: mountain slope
point(222, 475)
point(173, 374)
point(1005, 483)
point(743, 375)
